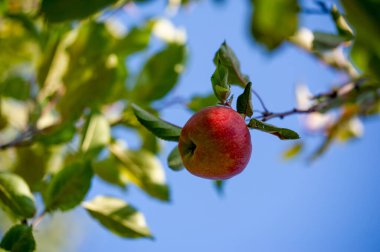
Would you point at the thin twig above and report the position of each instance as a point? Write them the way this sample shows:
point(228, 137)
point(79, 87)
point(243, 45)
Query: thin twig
point(260, 100)
point(281, 115)
point(39, 218)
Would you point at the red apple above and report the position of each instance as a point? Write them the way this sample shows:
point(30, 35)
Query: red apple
point(215, 143)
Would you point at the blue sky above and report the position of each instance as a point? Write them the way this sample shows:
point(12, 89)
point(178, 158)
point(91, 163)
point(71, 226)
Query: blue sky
point(330, 205)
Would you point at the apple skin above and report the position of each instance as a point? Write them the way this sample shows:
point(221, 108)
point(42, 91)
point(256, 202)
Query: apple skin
point(215, 143)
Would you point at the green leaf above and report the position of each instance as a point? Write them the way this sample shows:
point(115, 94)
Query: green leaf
point(16, 195)
point(57, 134)
point(144, 170)
point(175, 160)
point(160, 74)
point(16, 87)
point(293, 151)
point(244, 101)
point(219, 186)
point(199, 102)
point(118, 216)
point(364, 17)
point(136, 40)
point(341, 23)
point(282, 133)
point(19, 239)
point(226, 57)
point(149, 141)
point(64, 10)
point(219, 81)
point(110, 171)
point(273, 21)
point(91, 81)
point(69, 186)
point(96, 133)
point(157, 126)
point(326, 41)
point(32, 164)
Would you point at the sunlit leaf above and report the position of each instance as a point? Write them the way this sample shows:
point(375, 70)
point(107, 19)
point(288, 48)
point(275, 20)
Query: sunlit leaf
point(143, 169)
point(110, 171)
point(69, 186)
point(19, 239)
point(226, 57)
point(160, 74)
point(341, 23)
point(273, 21)
point(64, 10)
point(293, 151)
point(244, 102)
point(157, 126)
point(175, 160)
point(118, 217)
point(93, 72)
point(96, 133)
point(219, 81)
point(16, 195)
point(349, 112)
point(282, 133)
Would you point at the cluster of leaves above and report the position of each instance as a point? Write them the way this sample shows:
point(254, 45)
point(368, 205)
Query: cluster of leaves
point(356, 32)
point(65, 85)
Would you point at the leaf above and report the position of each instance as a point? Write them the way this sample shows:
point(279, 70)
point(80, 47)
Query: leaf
point(16, 87)
point(159, 74)
point(273, 21)
point(175, 160)
point(244, 101)
point(326, 41)
point(220, 86)
point(110, 171)
point(96, 135)
point(16, 195)
point(32, 164)
point(219, 186)
point(227, 58)
point(282, 133)
point(136, 40)
point(157, 126)
point(199, 102)
point(118, 216)
point(91, 81)
point(293, 151)
point(341, 23)
point(19, 239)
point(57, 134)
point(69, 186)
point(144, 170)
point(65, 10)
point(363, 15)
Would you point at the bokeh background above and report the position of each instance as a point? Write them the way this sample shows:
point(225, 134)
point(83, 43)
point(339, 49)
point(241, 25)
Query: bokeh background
point(331, 204)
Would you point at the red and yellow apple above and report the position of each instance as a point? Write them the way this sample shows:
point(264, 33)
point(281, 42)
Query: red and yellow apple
point(215, 143)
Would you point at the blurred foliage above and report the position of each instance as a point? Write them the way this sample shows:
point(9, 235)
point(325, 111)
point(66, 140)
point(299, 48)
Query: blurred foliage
point(66, 84)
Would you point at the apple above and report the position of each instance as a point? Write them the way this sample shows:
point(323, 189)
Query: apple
point(215, 143)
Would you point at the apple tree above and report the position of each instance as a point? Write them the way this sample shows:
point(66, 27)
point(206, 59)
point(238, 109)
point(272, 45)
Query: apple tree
point(69, 83)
